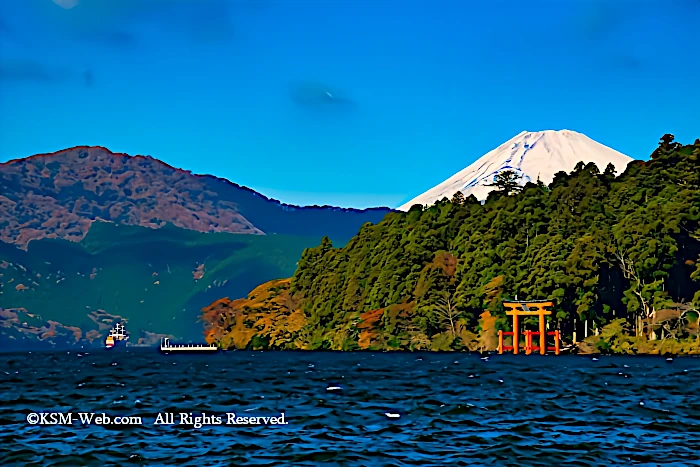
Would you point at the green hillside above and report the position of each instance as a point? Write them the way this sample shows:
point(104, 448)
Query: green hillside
point(147, 276)
point(603, 247)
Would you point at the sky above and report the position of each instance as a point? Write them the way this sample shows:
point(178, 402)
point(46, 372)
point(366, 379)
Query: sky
point(353, 103)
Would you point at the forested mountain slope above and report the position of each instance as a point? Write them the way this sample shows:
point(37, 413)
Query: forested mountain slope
point(154, 281)
point(603, 247)
point(60, 195)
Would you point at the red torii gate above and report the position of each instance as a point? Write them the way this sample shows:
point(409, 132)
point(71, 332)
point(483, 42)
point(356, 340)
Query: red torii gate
point(529, 308)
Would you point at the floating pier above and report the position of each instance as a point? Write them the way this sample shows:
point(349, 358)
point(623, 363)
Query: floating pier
point(167, 347)
point(529, 308)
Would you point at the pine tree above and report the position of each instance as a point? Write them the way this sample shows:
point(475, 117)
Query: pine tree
point(507, 182)
point(458, 198)
point(610, 170)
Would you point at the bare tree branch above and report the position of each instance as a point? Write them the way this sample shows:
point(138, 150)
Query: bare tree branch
point(447, 313)
point(630, 273)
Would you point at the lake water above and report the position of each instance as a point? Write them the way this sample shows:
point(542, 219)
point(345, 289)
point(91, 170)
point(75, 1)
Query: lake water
point(445, 409)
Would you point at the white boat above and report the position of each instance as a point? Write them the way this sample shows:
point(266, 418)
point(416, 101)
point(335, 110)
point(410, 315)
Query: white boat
point(119, 333)
point(117, 336)
point(167, 347)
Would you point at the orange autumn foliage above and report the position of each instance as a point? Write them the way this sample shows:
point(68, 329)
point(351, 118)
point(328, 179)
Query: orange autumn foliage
point(268, 312)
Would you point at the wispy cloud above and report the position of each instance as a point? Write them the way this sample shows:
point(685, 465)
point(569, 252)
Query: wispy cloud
point(317, 95)
point(19, 70)
point(66, 4)
point(107, 21)
point(109, 37)
point(600, 18)
point(610, 29)
point(622, 63)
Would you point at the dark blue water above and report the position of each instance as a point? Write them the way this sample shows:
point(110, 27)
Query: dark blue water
point(453, 409)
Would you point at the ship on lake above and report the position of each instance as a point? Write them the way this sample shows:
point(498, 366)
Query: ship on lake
point(117, 337)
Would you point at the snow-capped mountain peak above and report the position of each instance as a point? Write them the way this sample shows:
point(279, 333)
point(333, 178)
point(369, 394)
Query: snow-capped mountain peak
point(532, 155)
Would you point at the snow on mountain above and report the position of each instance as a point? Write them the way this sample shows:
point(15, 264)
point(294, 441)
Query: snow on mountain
point(529, 154)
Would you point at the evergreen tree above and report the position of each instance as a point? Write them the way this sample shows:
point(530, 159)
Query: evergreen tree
point(458, 198)
point(507, 182)
point(609, 170)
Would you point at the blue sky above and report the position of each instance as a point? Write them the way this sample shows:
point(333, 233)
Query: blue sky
point(420, 89)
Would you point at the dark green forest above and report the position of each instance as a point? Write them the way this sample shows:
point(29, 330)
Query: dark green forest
point(606, 248)
point(155, 281)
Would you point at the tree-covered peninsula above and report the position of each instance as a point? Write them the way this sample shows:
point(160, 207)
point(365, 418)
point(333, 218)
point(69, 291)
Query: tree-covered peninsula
point(620, 255)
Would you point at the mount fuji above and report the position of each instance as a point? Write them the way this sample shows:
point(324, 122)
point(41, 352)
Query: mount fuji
point(531, 155)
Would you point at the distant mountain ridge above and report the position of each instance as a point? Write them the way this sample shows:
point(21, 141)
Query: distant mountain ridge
point(59, 195)
point(532, 156)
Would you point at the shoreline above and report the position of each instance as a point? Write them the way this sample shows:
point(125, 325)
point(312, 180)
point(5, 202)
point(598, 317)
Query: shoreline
point(156, 351)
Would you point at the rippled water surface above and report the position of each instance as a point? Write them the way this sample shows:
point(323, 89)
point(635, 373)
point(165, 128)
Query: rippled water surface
point(453, 409)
